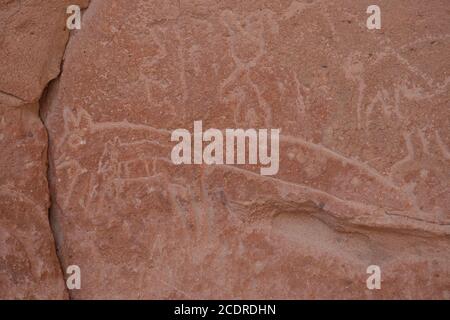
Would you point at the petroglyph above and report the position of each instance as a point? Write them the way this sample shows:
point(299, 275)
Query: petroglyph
point(364, 150)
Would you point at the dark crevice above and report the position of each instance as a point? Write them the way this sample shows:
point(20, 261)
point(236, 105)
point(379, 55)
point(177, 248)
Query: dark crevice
point(51, 215)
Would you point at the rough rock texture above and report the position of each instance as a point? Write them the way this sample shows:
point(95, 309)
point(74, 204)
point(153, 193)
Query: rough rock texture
point(364, 173)
point(29, 268)
point(32, 43)
point(364, 157)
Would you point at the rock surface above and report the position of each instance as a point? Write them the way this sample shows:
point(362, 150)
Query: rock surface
point(29, 268)
point(32, 42)
point(364, 173)
point(364, 162)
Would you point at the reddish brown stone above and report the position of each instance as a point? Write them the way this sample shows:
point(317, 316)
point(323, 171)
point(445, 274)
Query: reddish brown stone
point(32, 41)
point(29, 268)
point(364, 165)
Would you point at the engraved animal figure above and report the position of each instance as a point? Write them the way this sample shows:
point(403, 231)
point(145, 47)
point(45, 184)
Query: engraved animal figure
point(247, 47)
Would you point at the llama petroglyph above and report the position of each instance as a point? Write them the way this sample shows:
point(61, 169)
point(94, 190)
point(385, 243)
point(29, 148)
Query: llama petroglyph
point(133, 163)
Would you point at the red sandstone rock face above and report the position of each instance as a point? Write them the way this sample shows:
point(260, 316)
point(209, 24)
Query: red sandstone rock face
point(364, 150)
point(29, 268)
point(32, 42)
